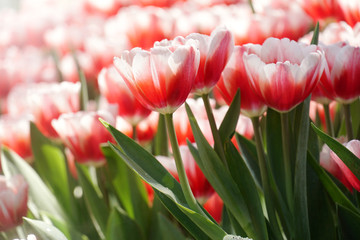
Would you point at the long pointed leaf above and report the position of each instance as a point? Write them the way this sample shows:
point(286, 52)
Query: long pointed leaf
point(149, 169)
point(94, 200)
point(247, 187)
point(45, 230)
point(335, 193)
point(302, 228)
point(122, 227)
point(350, 160)
point(228, 125)
point(128, 187)
point(219, 177)
point(51, 166)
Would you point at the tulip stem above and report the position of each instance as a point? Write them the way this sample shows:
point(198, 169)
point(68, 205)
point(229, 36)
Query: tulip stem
point(217, 140)
point(329, 124)
point(286, 155)
point(265, 179)
point(251, 6)
point(348, 124)
point(134, 133)
point(184, 182)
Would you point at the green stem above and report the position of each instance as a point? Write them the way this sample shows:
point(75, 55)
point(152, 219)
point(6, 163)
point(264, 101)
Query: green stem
point(265, 179)
point(101, 179)
point(329, 124)
point(184, 182)
point(286, 155)
point(217, 140)
point(348, 124)
point(134, 133)
point(251, 6)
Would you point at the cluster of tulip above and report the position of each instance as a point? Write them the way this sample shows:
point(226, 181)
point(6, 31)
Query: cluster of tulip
point(176, 119)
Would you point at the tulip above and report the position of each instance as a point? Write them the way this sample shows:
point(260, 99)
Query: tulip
point(215, 51)
point(341, 81)
point(15, 134)
point(214, 205)
point(351, 10)
point(83, 133)
point(13, 201)
point(282, 72)
point(234, 77)
point(146, 25)
point(334, 165)
point(162, 78)
point(113, 87)
point(45, 101)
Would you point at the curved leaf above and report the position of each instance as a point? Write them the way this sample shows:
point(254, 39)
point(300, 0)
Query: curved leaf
point(149, 169)
point(220, 178)
point(45, 230)
point(228, 125)
point(350, 160)
point(121, 227)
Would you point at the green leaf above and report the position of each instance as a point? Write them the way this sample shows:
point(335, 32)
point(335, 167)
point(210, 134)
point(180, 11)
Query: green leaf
point(302, 227)
point(228, 125)
point(355, 117)
point(121, 227)
point(66, 228)
point(349, 222)
point(335, 193)
point(39, 193)
point(320, 208)
point(315, 38)
point(275, 149)
point(99, 212)
point(128, 187)
point(168, 229)
point(149, 169)
point(45, 230)
point(202, 229)
point(350, 160)
point(248, 189)
point(50, 163)
point(248, 151)
point(219, 177)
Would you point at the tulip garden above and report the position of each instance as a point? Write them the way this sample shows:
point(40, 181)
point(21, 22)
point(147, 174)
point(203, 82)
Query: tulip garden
point(180, 119)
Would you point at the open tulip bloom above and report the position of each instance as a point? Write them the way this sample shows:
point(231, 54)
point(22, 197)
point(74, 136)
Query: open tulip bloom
point(282, 72)
point(152, 152)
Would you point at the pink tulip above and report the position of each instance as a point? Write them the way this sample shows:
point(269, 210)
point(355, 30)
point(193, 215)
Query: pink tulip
point(214, 206)
point(13, 201)
point(113, 87)
point(82, 133)
point(321, 9)
point(215, 51)
point(162, 78)
point(337, 32)
point(334, 165)
point(145, 25)
point(234, 77)
point(341, 81)
point(15, 134)
point(283, 72)
point(351, 10)
point(45, 101)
